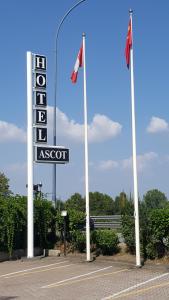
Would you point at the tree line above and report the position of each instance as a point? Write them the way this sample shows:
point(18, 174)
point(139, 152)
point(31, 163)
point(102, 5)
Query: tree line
point(48, 223)
point(103, 204)
point(100, 204)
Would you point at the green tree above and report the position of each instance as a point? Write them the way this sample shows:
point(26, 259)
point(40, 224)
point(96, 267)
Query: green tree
point(4, 185)
point(122, 204)
point(60, 205)
point(155, 199)
point(101, 204)
point(75, 202)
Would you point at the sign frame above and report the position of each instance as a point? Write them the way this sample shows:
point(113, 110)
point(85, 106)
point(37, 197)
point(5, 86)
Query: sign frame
point(50, 161)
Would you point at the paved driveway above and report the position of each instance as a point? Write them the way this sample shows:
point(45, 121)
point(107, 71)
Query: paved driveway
point(69, 279)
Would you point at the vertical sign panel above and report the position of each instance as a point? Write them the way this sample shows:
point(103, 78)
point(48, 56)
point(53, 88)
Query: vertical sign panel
point(40, 98)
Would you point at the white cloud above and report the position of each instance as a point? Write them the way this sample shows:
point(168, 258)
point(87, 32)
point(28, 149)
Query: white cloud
point(11, 133)
point(157, 125)
point(105, 165)
point(100, 129)
point(142, 161)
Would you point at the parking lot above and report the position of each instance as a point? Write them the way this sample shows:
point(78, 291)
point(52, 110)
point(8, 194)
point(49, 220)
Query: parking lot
point(70, 279)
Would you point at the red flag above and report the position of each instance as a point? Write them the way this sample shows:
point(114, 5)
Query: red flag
point(78, 64)
point(128, 44)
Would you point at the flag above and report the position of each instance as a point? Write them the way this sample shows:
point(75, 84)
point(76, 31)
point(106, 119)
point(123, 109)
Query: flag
point(78, 64)
point(129, 60)
point(128, 44)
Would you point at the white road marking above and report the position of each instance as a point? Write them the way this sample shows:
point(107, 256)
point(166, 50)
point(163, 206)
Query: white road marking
point(38, 271)
point(135, 286)
point(75, 277)
point(88, 278)
point(35, 268)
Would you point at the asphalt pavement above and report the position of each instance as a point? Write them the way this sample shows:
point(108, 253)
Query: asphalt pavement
point(71, 278)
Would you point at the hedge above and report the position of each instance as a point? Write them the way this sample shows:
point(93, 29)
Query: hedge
point(13, 223)
point(106, 240)
point(154, 232)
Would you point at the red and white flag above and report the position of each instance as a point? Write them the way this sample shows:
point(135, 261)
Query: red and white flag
point(128, 44)
point(78, 64)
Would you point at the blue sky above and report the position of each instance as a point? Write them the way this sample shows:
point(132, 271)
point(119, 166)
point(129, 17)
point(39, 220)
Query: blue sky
point(31, 26)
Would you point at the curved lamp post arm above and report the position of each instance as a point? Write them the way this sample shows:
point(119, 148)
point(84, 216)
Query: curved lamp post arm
point(55, 93)
point(55, 81)
point(65, 16)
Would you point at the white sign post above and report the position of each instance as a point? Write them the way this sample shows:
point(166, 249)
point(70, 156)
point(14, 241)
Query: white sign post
point(36, 89)
point(37, 133)
point(30, 231)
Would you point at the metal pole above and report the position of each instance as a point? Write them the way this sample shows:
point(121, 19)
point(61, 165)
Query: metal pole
point(86, 158)
point(136, 215)
point(64, 236)
point(55, 93)
point(30, 233)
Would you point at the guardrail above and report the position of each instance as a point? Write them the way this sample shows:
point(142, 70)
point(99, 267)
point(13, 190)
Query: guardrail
point(111, 221)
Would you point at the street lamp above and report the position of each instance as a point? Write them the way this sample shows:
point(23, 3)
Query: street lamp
point(37, 189)
point(55, 92)
point(64, 215)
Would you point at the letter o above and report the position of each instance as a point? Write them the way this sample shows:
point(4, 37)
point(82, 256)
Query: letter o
point(41, 80)
point(58, 154)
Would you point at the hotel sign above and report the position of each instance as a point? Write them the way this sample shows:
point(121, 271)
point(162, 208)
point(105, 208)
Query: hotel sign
point(51, 154)
point(43, 153)
point(40, 99)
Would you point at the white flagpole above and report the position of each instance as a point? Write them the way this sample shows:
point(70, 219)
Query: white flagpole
point(136, 212)
point(86, 158)
point(30, 235)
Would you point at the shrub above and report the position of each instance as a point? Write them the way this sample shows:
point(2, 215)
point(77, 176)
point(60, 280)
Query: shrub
point(79, 240)
point(158, 233)
point(155, 249)
point(154, 232)
point(44, 224)
point(151, 250)
point(13, 223)
point(75, 222)
point(128, 231)
point(159, 220)
point(76, 219)
point(107, 241)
